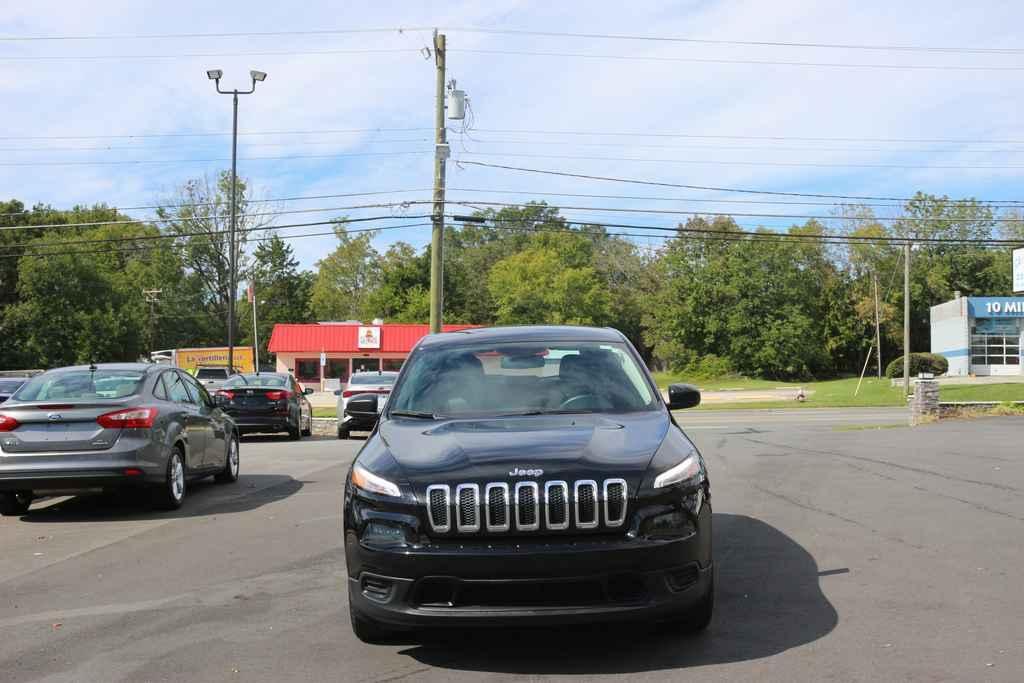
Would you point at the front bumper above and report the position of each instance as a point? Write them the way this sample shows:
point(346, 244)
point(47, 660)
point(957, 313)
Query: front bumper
point(522, 581)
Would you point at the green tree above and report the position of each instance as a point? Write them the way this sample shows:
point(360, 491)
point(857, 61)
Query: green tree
point(199, 215)
point(281, 290)
point(345, 278)
point(538, 286)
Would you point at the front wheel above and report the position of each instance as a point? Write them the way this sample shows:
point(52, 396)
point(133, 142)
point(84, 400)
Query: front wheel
point(170, 494)
point(308, 431)
point(15, 503)
point(232, 464)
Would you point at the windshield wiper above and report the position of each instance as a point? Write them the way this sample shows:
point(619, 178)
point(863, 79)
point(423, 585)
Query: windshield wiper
point(415, 413)
point(543, 412)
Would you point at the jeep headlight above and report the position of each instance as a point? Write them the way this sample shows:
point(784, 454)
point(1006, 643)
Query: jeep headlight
point(366, 480)
point(687, 469)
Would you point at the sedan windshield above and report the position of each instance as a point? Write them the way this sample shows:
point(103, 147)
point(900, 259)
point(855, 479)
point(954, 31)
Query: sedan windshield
point(255, 380)
point(81, 384)
point(9, 385)
point(373, 378)
point(523, 379)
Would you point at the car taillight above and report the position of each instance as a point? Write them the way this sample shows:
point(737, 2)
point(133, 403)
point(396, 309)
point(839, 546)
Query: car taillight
point(229, 395)
point(278, 395)
point(348, 394)
point(129, 418)
point(8, 423)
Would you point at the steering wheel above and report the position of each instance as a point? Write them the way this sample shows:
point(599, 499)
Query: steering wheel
point(570, 403)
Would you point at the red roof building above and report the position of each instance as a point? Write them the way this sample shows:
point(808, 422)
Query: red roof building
point(323, 355)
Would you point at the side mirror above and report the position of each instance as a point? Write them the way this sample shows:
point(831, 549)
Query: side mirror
point(363, 407)
point(307, 391)
point(682, 396)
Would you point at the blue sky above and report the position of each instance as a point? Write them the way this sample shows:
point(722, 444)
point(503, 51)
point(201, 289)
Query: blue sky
point(54, 90)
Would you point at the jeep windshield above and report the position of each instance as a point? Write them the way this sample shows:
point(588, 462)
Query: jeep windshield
point(523, 379)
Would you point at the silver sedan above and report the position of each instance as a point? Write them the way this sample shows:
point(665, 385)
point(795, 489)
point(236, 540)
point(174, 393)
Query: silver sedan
point(112, 426)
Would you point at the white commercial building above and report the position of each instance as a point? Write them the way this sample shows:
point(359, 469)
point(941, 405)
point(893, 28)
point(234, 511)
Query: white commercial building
point(979, 335)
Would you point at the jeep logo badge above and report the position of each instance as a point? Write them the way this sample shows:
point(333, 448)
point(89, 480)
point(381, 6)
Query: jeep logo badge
point(520, 472)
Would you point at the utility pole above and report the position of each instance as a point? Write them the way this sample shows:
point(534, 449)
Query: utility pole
point(441, 152)
point(906, 318)
point(878, 326)
point(152, 297)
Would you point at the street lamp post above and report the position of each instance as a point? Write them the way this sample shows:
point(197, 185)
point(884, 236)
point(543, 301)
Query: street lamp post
point(215, 76)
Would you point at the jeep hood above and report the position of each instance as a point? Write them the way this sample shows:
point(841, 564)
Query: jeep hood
point(565, 447)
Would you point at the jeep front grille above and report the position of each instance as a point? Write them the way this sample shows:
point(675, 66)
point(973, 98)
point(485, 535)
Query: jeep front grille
point(527, 506)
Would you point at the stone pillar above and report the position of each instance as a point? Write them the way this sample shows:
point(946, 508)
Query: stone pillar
point(924, 407)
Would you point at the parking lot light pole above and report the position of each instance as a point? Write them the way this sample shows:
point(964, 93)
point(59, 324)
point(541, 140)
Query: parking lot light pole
point(215, 76)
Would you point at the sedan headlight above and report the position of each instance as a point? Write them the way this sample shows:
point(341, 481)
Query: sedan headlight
point(687, 469)
point(368, 481)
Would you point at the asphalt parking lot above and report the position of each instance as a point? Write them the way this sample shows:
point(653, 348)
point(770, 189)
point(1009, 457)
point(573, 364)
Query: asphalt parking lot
point(848, 546)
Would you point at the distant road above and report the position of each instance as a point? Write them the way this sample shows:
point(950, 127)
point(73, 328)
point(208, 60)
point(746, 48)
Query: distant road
point(827, 417)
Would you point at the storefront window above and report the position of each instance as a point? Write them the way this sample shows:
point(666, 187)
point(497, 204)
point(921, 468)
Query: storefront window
point(365, 364)
point(392, 364)
point(336, 368)
point(307, 369)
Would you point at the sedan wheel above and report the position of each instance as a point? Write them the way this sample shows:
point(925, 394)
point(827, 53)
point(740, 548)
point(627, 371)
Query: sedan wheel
point(232, 464)
point(171, 494)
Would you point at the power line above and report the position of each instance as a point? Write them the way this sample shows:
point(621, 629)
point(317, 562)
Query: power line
point(162, 246)
point(745, 43)
point(832, 238)
point(631, 181)
point(517, 32)
point(292, 143)
point(729, 214)
point(127, 162)
point(197, 55)
point(750, 62)
point(247, 201)
point(210, 134)
point(649, 134)
point(727, 148)
point(223, 34)
point(525, 131)
point(202, 217)
point(723, 162)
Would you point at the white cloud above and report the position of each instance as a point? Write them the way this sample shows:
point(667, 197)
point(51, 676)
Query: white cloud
point(344, 91)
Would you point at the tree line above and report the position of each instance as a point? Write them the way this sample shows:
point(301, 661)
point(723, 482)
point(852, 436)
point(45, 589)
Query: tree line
point(712, 298)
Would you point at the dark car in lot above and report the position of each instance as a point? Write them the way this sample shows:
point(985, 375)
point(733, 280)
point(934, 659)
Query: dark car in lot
point(8, 385)
point(267, 402)
point(110, 426)
point(527, 476)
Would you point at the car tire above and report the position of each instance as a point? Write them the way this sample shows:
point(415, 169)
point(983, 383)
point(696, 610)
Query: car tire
point(15, 503)
point(308, 431)
point(698, 617)
point(342, 433)
point(232, 463)
point(369, 631)
point(171, 493)
point(294, 433)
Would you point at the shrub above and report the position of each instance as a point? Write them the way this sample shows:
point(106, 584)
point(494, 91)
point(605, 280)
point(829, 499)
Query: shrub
point(919, 362)
point(710, 366)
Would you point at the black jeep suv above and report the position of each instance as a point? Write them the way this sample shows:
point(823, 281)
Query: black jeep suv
point(527, 475)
